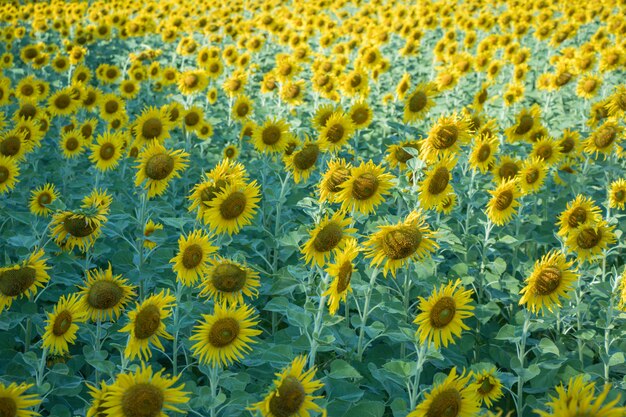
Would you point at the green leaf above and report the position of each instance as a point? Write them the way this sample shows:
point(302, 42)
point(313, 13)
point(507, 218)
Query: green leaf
point(616, 359)
point(366, 409)
point(507, 240)
point(400, 368)
point(507, 332)
point(341, 369)
point(547, 346)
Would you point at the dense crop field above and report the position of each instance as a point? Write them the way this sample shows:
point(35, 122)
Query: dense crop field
point(312, 208)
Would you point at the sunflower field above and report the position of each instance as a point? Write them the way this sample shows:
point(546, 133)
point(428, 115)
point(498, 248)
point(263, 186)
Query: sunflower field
point(341, 208)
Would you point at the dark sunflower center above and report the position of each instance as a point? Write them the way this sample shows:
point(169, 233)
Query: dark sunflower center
point(482, 97)
point(192, 256)
point(159, 166)
point(111, 106)
point(8, 407)
point(446, 404)
point(344, 276)
point(605, 137)
point(86, 131)
point(90, 98)
point(307, 157)
point(365, 186)
point(223, 332)
point(504, 200)
point(484, 152)
point(289, 398)
point(10, 146)
point(544, 152)
point(328, 237)
point(271, 135)
point(439, 181)
point(337, 177)
point(62, 102)
point(191, 80)
point(79, 226)
point(526, 123)
point(532, 176)
point(103, 295)
point(445, 137)
point(233, 206)
point(27, 90)
point(111, 73)
point(230, 152)
point(567, 144)
point(486, 386)
point(293, 91)
point(14, 282)
point(563, 78)
point(142, 400)
point(401, 242)
point(152, 128)
point(356, 80)
point(322, 80)
point(335, 133)
point(62, 324)
point(620, 100)
point(620, 195)
point(578, 216)
point(147, 321)
point(71, 144)
point(107, 151)
point(27, 111)
point(192, 118)
point(548, 280)
point(508, 170)
point(442, 312)
point(44, 199)
point(243, 109)
point(360, 116)
point(589, 238)
point(228, 277)
point(209, 193)
point(589, 86)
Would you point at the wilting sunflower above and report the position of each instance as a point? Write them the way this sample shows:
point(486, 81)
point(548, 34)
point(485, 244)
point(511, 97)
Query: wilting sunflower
point(157, 166)
point(9, 171)
point(452, 397)
point(580, 212)
point(145, 325)
point(61, 325)
point(532, 175)
point(72, 143)
point(272, 136)
point(107, 150)
point(436, 186)
point(484, 152)
point(589, 241)
point(525, 121)
point(603, 138)
point(153, 124)
point(191, 261)
point(617, 194)
point(503, 203)
point(336, 132)
point(579, 399)
point(341, 272)
point(233, 207)
point(419, 102)
point(14, 403)
point(143, 393)
point(77, 228)
point(395, 245)
point(292, 393)
point(224, 336)
point(487, 386)
point(441, 315)
point(365, 188)
point(337, 172)
point(328, 237)
point(552, 277)
point(104, 296)
point(148, 230)
point(41, 198)
point(301, 162)
point(23, 279)
point(446, 137)
point(228, 281)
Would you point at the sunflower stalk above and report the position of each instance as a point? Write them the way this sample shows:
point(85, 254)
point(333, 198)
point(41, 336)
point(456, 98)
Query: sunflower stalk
point(42, 367)
point(214, 379)
point(179, 290)
point(609, 321)
point(366, 312)
point(521, 355)
point(139, 243)
point(414, 382)
point(318, 325)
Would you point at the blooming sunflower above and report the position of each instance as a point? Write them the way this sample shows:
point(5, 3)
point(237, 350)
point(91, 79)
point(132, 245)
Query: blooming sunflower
point(233, 207)
point(41, 198)
point(72, 143)
point(145, 325)
point(230, 152)
point(103, 295)
point(13, 401)
point(9, 172)
point(61, 325)
point(301, 163)
point(442, 314)
point(107, 150)
point(143, 393)
point(484, 152)
point(292, 393)
point(224, 336)
point(272, 136)
point(191, 261)
point(603, 138)
point(98, 395)
point(532, 175)
point(436, 186)
point(503, 203)
point(487, 386)
point(328, 237)
point(321, 116)
point(525, 121)
point(341, 272)
point(192, 81)
point(242, 108)
point(153, 124)
point(13, 144)
point(337, 131)
point(23, 279)
point(77, 228)
point(157, 166)
point(361, 114)
point(228, 281)
point(588, 86)
point(569, 144)
point(337, 172)
point(451, 397)
point(365, 188)
point(395, 245)
point(589, 241)
point(446, 136)
point(419, 102)
point(580, 212)
point(617, 194)
point(398, 156)
point(63, 102)
point(148, 230)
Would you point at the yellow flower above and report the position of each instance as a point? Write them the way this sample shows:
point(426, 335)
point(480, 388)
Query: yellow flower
point(341, 272)
point(233, 207)
point(580, 212)
point(191, 261)
point(503, 203)
point(617, 194)
point(589, 241)
point(532, 175)
point(242, 108)
point(336, 132)
point(157, 166)
point(328, 237)
point(451, 394)
point(419, 102)
point(9, 171)
point(603, 138)
point(228, 281)
point(365, 188)
point(153, 124)
point(41, 198)
point(301, 163)
point(13, 399)
point(23, 279)
point(525, 121)
point(272, 136)
point(61, 325)
point(337, 172)
point(107, 150)
point(436, 186)
point(148, 230)
point(104, 296)
point(446, 137)
point(484, 152)
point(487, 386)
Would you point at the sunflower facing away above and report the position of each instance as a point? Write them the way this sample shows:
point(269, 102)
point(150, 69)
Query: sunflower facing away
point(233, 207)
point(292, 392)
point(41, 198)
point(503, 203)
point(145, 325)
point(23, 279)
point(224, 336)
point(328, 237)
point(487, 386)
point(442, 314)
point(341, 272)
point(395, 245)
point(104, 296)
point(61, 325)
point(452, 397)
point(191, 261)
point(157, 166)
point(228, 281)
point(365, 188)
point(13, 401)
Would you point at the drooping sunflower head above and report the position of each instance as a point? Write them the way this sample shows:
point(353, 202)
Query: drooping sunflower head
point(365, 188)
point(399, 156)
point(526, 120)
point(328, 237)
point(603, 139)
point(229, 281)
point(23, 279)
point(104, 295)
point(337, 172)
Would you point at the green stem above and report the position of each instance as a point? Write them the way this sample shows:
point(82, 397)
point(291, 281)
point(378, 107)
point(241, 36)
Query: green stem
point(420, 351)
point(139, 243)
point(214, 379)
point(521, 356)
point(406, 296)
point(607, 324)
point(42, 367)
point(366, 312)
point(319, 323)
point(179, 288)
point(97, 347)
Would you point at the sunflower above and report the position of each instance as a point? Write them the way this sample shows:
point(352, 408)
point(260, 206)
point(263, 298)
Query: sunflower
point(292, 393)
point(157, 166)
point(419, 102)
point(77, 228)
point(446, 136)
point(398, 156)
point(293, 92)
point(143, 393)
point(233, 207)
point(103, 295)
point(64, 102)
point(447, 204)
point(365, 188)
point(272, 136)
point(506, 169)
point(395, 245)
point(98, 395)
point(212, 95)
point(589, 241)
point(588, 86)
point(617, 194)
point(224, 336)
point(26, 89)
point(72, 143)
point(23, 279)
point(442, 314)
point(227, 281)
point(452, 397)
point(337, 131)
point(484, 152)
point(436, 186)
point(230, 152)
point(551, 278)
point(13, 145)
point(547, 150)
point(111, 107)
point(569, 144)
point(13, 401)
point(107, 150)
point(341, 272)
point(603, 138)
point(61, 325)
point(148, 230)
point(616, 105)
point(361, 114)
point(145, 325)
point(191, 261)
point(192, 82)
point(242, 108)
point(153, 124)
point(532, 175)
point(580, 212)
point(321, 116)
point(503, 203)
point(41, 198)
point(328, 237)
point(525, 121)
point(487, 386)
point(301, 163)
point(337, 172)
